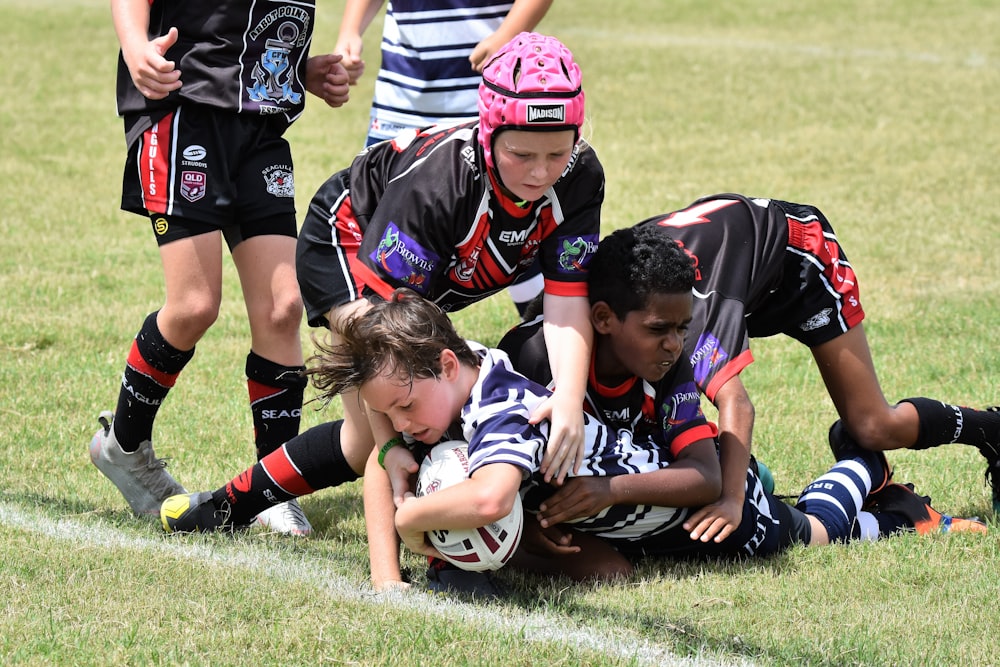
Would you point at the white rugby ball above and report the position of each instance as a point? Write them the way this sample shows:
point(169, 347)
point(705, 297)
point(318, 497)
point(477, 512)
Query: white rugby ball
point(472, 549)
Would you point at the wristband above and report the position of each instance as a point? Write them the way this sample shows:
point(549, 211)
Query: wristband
point(385, 448)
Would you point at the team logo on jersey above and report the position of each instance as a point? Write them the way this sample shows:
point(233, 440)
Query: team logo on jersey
point(273, 76)
point(547, 114)
point(193, 185)
point(576, 253)
point(817, 321)
point(280, 181)
point(707, 356)
point(404, 259)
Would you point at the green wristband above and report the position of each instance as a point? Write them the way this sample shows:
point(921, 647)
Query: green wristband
point(385, 448)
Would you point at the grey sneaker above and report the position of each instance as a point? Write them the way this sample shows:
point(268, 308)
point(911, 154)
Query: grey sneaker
point(286, 518)
point(139, 475)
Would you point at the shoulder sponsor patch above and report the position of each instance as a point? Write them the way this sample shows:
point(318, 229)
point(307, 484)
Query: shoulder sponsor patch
point(404, 259)
point(576, 252)
point(707, 356)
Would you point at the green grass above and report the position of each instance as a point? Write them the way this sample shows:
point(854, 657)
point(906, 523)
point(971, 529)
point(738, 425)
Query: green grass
point(882, 114)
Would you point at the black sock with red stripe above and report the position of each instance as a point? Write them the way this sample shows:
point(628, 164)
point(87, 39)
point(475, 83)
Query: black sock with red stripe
point(308, 462)
point(151, 370)
point(276, 394)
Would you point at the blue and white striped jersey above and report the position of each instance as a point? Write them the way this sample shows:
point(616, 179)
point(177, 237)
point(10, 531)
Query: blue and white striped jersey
point(495, 424)
point(425, 76)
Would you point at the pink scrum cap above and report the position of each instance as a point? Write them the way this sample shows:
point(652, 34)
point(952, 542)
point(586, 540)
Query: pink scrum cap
point(532, 84)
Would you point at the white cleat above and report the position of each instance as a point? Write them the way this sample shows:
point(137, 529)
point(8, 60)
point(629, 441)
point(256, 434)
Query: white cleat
point(286, 518)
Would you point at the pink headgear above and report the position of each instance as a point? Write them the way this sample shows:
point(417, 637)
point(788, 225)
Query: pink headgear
point(531, 84)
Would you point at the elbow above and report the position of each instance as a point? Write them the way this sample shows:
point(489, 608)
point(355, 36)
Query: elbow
point(491, 507)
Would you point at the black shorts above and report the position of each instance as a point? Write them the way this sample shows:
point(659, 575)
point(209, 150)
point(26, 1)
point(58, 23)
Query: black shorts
point(818, 297)
point(326, 254)
point(199, 169)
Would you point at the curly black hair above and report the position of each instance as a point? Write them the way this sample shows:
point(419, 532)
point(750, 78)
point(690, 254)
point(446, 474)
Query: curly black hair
point(634, 263)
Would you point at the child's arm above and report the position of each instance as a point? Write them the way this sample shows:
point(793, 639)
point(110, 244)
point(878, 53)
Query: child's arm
point(693, 480)
point(357, 16)
point(569, 338)
point(523, 16)
point(383, 542)
point(485, 497)
point(153, 75)
point(736, 415)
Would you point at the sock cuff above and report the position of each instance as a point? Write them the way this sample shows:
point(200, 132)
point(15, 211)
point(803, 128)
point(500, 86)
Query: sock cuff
point(266, 372)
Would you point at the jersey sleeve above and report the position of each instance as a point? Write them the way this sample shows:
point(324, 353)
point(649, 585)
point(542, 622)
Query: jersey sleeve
point(567, 250)
point(678, 410)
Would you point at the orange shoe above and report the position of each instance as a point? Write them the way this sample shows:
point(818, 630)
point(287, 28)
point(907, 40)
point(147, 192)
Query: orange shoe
point(901, 499)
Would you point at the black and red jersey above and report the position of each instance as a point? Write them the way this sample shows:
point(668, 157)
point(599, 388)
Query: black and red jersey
point(763, 267)
point(245, 56)
point(429, 216)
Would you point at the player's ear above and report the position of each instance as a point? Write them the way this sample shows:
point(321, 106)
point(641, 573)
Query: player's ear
point(602, 317)
point(449, 365)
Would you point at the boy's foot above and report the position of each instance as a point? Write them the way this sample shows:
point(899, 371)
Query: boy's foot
point(992, 454)
point(286, 518)
point(844, 447)
point(139, 475)
point(192, 513)
point(901, 499)
point(443, 577)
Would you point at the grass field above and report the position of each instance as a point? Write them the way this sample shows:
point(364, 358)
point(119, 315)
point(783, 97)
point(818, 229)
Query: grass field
point(882, 114)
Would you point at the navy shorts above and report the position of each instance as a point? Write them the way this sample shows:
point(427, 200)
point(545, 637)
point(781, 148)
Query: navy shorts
point(199, 169)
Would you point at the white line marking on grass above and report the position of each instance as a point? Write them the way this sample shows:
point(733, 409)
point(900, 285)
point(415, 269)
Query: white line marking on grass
point(257, 558)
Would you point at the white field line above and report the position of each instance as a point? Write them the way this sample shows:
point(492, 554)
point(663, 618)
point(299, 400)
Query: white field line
point(257, 558)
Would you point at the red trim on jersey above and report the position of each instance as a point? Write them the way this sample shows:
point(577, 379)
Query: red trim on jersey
point(365, 276)
point(603, 389)
point(733, 368)
point(154, 164)
point(707, 431)
point(509, 205)
point(136, 361)
point(565, 289)
point(283, 472)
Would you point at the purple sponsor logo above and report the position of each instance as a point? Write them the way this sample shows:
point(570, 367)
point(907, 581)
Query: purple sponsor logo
point(707, 356)
point(404, 259)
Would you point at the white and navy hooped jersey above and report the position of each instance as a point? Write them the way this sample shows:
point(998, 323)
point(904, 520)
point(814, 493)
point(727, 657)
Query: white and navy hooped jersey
point(753, 259)
point(246, 56)
point(429, 216)
point(495, 424)
point(425, 75)
point(667, 412)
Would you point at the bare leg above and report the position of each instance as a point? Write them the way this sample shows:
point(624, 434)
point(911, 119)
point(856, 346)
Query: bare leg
point(849, 374)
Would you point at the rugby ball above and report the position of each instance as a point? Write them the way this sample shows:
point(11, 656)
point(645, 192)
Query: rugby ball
point(473, 549)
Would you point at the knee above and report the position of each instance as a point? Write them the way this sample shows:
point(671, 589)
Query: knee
point(286, 315)
point(874, 431)
point(189, 320)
